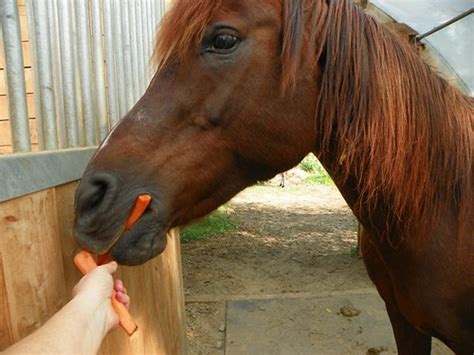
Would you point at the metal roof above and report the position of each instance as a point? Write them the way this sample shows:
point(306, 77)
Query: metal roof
point(455, 43)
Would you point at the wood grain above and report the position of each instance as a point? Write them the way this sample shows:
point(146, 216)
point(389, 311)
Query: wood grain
point(159, 280)
point(65, 210)
point(32, 267)
point(6, 331)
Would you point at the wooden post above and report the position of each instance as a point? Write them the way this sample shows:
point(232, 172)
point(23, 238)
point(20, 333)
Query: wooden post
point(37, 275)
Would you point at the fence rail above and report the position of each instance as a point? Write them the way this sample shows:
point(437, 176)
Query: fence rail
point(90, 62)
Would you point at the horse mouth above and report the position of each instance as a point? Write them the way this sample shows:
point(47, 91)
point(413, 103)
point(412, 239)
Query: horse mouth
point(140, 244)
point(142, 241)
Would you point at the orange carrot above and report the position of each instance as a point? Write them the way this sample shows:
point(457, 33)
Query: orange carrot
point(138, 209)
point(86, 263)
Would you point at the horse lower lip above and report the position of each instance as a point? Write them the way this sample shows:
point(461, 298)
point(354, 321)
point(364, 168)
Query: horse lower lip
point(114, 241)
point(133, 218)
point(139, 245)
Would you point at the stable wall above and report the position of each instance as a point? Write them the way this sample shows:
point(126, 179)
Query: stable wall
point(37, 276)
point(5, 136)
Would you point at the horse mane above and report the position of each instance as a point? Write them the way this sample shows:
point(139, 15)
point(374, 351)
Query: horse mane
point(401, 131)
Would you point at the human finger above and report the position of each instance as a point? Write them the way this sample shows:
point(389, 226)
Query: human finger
point(123, 298)
point(118, 286)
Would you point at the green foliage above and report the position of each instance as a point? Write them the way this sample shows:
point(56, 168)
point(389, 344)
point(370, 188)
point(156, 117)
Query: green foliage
point(319, 180)
point(318, 175)
point(310, 164)
point(218, 222)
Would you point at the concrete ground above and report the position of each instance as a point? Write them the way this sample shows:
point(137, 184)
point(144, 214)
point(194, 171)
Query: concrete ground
point(343, 323)
point(277, 284)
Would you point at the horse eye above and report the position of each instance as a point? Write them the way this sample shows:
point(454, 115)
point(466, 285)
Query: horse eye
point(225, 42)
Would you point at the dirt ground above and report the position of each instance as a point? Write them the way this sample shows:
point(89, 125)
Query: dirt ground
point(299, 239)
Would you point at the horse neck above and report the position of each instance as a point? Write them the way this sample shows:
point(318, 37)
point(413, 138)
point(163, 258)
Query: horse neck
point(396, 138)
point(370, 214)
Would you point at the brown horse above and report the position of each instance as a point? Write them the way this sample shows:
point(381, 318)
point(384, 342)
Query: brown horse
point(244, 90)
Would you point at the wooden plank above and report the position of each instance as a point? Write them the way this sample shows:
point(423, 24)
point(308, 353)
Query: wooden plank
point(25, 37)
point(65, 205)
point(160, 283)
point(6, 332)
point(4, 115)
point(33, 267)
point(28, 81)
point(5, 136)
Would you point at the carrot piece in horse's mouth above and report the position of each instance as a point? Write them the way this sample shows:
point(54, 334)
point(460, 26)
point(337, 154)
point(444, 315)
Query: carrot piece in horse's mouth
point(86, 263)
point(138, 209)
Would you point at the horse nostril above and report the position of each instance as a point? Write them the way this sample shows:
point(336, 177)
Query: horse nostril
point(98, 190)
point(96, 194)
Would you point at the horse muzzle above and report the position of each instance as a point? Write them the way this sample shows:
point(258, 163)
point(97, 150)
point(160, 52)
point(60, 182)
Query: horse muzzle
point(102, 209)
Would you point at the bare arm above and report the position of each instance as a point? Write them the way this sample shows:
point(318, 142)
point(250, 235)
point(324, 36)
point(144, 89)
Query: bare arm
point(81, 325)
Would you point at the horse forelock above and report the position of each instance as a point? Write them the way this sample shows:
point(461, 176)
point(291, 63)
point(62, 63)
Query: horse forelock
point(182, 29)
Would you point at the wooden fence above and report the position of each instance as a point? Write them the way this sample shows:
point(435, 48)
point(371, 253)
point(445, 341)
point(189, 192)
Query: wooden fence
point(37, 276)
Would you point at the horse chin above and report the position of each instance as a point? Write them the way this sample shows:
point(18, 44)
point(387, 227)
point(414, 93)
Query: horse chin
point(139, 245)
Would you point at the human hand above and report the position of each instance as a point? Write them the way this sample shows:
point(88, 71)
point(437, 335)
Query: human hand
point(81, 325)
point(94, 292)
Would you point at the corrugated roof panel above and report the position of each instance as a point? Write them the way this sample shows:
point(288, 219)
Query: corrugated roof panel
point(455, 43)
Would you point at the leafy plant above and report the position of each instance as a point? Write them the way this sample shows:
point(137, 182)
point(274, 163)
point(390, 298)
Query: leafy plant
point(310, 164)
point(318, 175)
point(217, 223)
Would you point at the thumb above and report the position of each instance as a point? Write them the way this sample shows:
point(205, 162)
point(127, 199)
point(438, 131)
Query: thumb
point(110, 267)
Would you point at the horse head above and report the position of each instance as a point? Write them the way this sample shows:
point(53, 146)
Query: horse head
point(226, 108)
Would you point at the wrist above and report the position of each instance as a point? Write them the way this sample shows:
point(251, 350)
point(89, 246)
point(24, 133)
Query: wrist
point(92, 317)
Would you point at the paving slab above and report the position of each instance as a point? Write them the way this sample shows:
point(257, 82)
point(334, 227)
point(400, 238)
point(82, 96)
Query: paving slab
point(314, 325)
